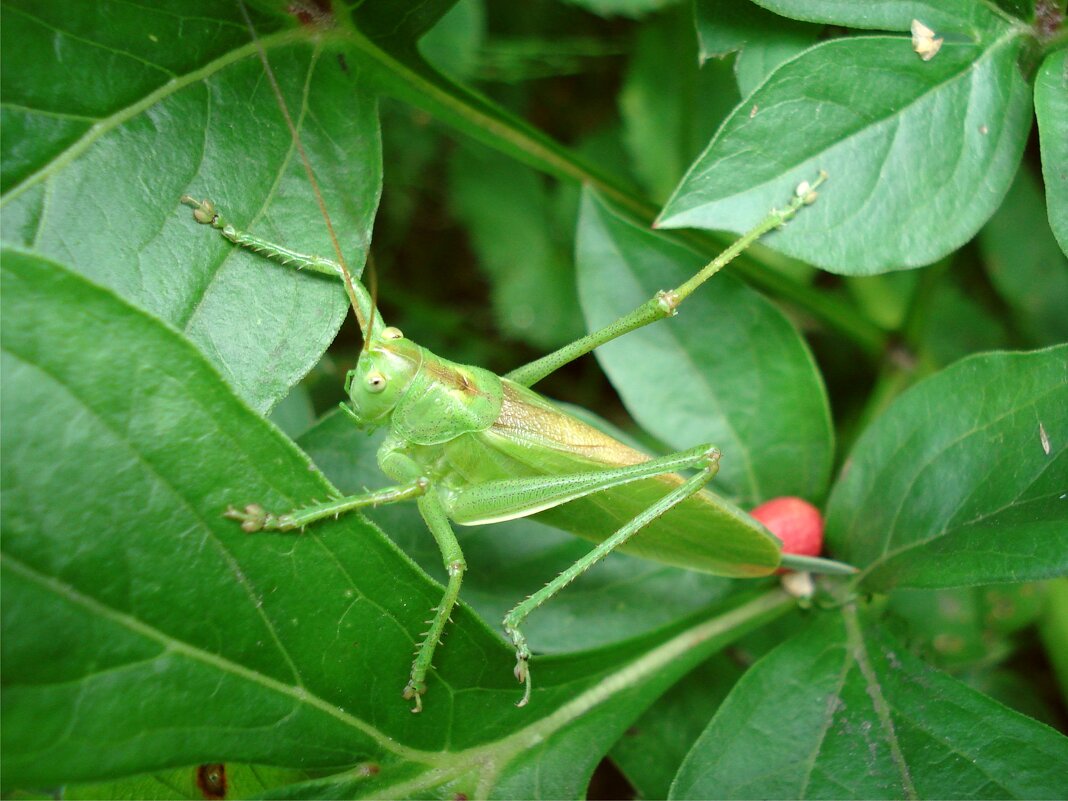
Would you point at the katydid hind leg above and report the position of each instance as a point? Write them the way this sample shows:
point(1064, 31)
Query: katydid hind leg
point(514, 619)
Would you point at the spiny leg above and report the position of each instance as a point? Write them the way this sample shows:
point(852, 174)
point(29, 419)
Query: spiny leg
point(666, 302)
point(519, 613)
point(438, 522)
point(205, 213)
point(255, 518)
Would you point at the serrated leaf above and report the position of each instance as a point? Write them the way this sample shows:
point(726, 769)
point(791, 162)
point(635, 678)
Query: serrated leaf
point(730, 369)
point(1051, 107)
point(889, 129)
point(1025, 264)
point(844, 711)
point(122, 448)
point(963, 479)
point(97, 167)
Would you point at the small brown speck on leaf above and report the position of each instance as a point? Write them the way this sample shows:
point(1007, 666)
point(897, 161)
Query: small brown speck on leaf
point(211, 780)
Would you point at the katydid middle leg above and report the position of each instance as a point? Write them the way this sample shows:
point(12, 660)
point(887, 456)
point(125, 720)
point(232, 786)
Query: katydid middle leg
point(437, 521)
point(255, 518)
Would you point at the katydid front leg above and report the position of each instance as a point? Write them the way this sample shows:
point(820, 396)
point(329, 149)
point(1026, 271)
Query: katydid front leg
point(205, 213)
point(255, 518)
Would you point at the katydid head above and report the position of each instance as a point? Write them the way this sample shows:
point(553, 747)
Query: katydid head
point(383, 373)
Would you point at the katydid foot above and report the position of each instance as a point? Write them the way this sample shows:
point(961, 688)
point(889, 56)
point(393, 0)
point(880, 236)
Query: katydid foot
point(414, 691)
point(255, 518)
point(522, 657)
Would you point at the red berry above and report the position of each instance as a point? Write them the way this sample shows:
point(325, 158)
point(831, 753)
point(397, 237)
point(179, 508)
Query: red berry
point(796, 522)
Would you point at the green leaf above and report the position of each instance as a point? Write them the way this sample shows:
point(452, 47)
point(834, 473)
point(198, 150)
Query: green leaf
point(730, 369)
point(960, 627)
point(1054, 630)
point(955, 323)
point(918, 159)
point(164, 103)
point(725, 27)
point(962, 480)
point(622, 597)
point(650, 752)
point(968, 17)
point(760, 59)
point(1025, 264)
point(295, 414)
point(623, 8)
point(1051, 107)
point(194, 783)
point(122, 449)
point(666, 123)
point(508, 212)
point(763, 40)
point(453, 44)
point(844, 711)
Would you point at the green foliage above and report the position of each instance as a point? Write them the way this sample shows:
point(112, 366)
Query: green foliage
point(150, 648)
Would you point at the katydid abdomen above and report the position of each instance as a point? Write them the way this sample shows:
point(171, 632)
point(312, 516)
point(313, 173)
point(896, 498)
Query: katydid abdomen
point(532, 437)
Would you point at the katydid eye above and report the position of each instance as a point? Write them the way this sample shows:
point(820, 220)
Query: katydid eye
point(376, 382)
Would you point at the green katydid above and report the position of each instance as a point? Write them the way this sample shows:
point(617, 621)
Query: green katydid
point(472, 448)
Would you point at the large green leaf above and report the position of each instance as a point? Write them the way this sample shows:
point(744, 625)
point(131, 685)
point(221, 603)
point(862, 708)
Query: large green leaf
point(1051, 107)
point(963, 479)
point(919, 153)
point(143, 631)
point(730, 369)
point(844, 711)
point(112, 113)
